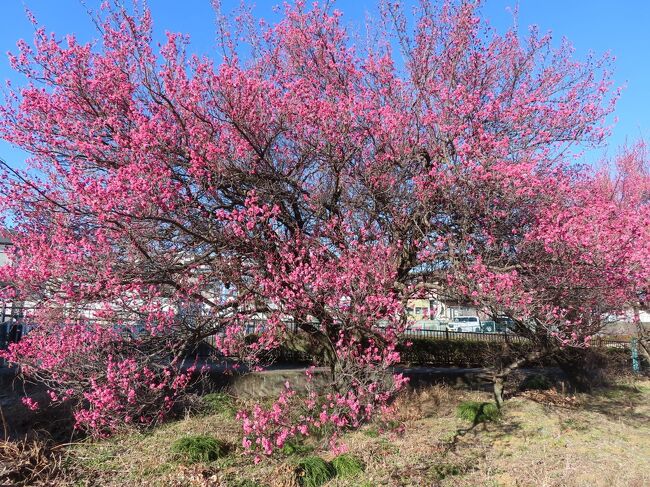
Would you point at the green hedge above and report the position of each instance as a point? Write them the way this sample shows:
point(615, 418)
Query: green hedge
point(464, 353)
point(427, 351)
point(460, 353)
point(469, 353)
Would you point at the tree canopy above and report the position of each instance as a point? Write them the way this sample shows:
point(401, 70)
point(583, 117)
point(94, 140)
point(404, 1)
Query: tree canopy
point(314, 181)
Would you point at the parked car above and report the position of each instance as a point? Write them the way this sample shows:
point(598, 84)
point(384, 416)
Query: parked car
point(504, 324)
point(488, 326)
point(500, 325)
point(465, 323)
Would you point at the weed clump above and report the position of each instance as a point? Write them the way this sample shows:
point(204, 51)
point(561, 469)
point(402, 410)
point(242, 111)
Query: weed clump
point(314, 471)
point(371, 432)
point(478, 412)
point(193, 449)
point(220, 403)
point(347, 465)
point(444, 470)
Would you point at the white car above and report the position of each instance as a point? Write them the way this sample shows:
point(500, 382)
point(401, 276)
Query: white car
point(465, 323)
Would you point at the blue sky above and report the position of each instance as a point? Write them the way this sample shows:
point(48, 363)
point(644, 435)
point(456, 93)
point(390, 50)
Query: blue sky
point(621, 28)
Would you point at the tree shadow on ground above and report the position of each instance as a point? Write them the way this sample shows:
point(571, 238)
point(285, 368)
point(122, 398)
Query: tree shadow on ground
point(622, 402)
point(489, 431)
point(625, 403)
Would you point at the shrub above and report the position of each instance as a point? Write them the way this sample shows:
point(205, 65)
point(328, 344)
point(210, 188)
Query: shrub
point(314, 471)
point(347, 465)
point(195, 449)
point(220, 403)
point(478, 412)
point(592, 367)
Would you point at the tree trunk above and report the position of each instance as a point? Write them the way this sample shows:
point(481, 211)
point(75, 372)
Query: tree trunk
point(498, 378)
point(313, 342)
point(498, 391)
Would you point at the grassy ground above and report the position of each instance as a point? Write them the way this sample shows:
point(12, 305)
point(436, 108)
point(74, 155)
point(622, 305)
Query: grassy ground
point(542, 439)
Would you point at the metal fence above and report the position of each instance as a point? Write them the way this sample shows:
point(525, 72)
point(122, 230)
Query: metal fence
point(508, 337)
point(463, 335)
point(604, 342)
point(11, 327)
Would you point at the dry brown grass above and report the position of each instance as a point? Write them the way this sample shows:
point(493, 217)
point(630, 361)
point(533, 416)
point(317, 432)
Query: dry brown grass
point(28, 462)
point(551, 397)
point(543, 439)
point(413, 405)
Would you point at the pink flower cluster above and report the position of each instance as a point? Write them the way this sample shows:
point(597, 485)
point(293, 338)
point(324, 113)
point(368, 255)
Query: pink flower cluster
point(96, 369)
point(297, 416)
point(129, 394)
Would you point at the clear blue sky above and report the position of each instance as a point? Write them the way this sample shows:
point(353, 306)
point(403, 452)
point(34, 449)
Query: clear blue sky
point(622, 28)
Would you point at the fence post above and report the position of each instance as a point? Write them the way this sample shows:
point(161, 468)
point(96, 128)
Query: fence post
point(447, 348)
point(636, 366)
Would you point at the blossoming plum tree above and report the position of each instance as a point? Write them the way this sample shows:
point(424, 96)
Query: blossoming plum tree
point(582, 260)
point(624, 185)
point(305, 179)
